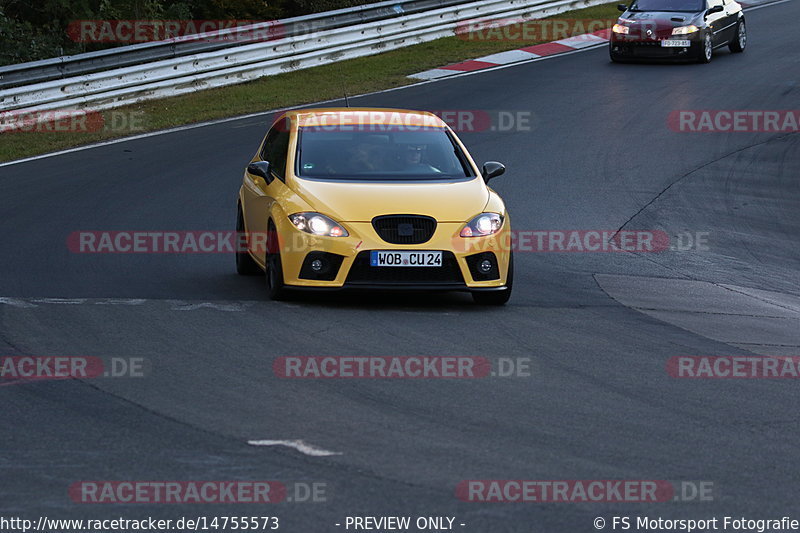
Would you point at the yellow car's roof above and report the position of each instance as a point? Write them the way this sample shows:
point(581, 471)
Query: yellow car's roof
point(343, 116)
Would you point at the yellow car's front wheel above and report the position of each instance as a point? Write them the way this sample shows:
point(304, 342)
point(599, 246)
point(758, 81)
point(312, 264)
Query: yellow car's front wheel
point(274, 268)
point(245, 265)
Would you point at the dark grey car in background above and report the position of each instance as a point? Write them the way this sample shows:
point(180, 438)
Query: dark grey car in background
point(677, 29)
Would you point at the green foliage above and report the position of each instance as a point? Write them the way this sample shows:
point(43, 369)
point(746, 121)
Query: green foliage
point(305, 7)
point(21, 41)
point(31, 30)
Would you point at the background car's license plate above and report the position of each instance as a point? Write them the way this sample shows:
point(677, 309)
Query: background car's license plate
point(380, 258)
point(676, 43)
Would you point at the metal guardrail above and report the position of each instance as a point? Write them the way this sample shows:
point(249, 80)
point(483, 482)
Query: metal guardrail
point(135, 54)
point(245, 62)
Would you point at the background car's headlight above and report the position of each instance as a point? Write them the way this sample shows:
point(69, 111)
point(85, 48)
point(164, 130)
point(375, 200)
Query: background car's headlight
point(318, 224)
point(619, 28)
point(684, 30)
point(482, 225)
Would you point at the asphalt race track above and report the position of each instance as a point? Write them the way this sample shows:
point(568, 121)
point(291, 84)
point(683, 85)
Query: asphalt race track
point(598, 328)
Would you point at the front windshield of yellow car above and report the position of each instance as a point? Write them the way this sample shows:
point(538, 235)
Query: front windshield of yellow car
point(379, 152)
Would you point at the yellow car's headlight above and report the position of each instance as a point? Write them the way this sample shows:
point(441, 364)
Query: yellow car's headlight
point(318, 224)
point(619, 28)
point(685, 30)
point(482, 225)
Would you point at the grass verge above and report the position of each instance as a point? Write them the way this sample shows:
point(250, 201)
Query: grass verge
point(361, 75)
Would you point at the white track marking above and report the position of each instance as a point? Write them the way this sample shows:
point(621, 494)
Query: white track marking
point(16, 302)
point(582, 41)
point(298, 445)
point(510, 56)
point(120, 301)
point(263, 113)
point(58, 301)
point(432, 74)
point(178, 305)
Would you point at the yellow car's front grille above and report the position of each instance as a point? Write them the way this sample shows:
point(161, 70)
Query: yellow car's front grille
point(404, 229)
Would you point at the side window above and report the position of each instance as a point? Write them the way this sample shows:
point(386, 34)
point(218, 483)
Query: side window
point(276, 147)
point(277, 154)
point(273, 133)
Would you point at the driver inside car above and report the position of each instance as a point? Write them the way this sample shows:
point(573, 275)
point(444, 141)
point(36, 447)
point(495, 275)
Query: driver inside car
point(412, 157)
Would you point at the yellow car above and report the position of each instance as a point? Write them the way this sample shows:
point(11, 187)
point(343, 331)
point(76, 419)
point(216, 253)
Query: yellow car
point(368, 198)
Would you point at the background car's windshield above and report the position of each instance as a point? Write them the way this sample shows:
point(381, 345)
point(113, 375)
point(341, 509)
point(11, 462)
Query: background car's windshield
point(668, 5)
point(379, 152)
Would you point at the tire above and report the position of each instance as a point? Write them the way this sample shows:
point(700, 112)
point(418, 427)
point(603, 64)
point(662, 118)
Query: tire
point(739, 41)
point(274, 268)
point(706, 50)
point(245, 265)
point(615, 58)
point(497, 297)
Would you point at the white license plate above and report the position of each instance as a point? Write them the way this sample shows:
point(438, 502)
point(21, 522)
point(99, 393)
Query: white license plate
point(385, 258)
point(672, 43)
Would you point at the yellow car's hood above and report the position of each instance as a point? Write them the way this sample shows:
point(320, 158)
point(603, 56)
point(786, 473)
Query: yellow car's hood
point(351, 201)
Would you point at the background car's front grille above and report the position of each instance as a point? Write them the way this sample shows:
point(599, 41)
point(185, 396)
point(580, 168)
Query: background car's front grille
point(649, 50)
point(404, 229)
point(361, 273)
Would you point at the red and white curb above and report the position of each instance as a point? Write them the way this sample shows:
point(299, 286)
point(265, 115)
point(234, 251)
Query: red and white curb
point(516, 56)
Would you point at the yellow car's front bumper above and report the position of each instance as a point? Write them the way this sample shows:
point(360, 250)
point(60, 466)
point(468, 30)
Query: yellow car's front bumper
point(346, 260)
